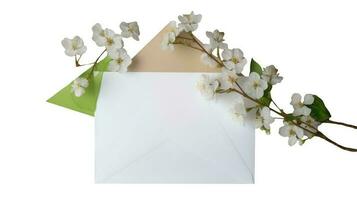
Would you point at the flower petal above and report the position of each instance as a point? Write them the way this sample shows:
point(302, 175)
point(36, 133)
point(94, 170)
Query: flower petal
point(263, 84)
point(295, 99)
point(259, 92)
point(227, 54)
point(229, 65)
point(292, 140)
point(308, 99)
point(66, 43)
point(299, 132)
point(238, 53)
point(305, 111)
point(254, 76)
point(284, 131)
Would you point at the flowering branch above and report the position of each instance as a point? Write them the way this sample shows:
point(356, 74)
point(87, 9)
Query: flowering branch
point(114, 46)
point(300, 125)
point(296, 123)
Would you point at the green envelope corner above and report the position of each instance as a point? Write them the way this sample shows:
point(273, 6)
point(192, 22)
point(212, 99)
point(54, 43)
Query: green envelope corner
point(88, 101)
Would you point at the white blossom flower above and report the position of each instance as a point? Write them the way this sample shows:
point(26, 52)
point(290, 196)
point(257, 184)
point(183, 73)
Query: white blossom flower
point(168, 41)
point(234, 59)
point(254, 86)
point(300, 108)
point(130, 30)
point(239, 110)
point(206, 59)
point(228, 79)
point(271, 75)
point(263, 119)
point(207, 86)
point(74, 46)
point(293, 132)
point(310, 124)
point(120, 62)
point(106, 37)
point(79, 85)
point(189, 22)
point(216, 39)
point(173, 28)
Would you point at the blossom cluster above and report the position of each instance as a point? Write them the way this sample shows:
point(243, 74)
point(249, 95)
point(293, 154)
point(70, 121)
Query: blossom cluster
point(255, 88)
point(188, 23)
point(113, 44)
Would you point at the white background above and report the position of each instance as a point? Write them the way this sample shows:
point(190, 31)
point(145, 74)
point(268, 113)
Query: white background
point(47, 152)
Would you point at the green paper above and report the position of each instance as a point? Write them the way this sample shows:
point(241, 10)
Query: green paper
point(102, 66)
point(88, 101)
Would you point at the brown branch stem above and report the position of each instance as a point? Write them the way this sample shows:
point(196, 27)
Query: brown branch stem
point(342, 124)
point(322, 136)
point(184, 38)
point(95, 63)
point(204, 49)
point(188, 46)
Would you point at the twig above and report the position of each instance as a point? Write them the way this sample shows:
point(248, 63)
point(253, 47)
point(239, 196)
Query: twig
point(95, 63)
point(204, 49)
point(276, 105)
point(80, 65)
point(320, 135)
point(219, 56)
point(342, 124)
point(188, 46)
point(184, 38)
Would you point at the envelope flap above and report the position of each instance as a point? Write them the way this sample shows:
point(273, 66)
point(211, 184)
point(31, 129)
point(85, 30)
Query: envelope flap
point(182, 59)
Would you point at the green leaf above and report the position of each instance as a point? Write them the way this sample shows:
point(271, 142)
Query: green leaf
point(318, 110)
point(255, 67)
point(270, 86)
point(266, 99)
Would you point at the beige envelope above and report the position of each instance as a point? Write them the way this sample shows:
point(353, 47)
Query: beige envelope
point(183, 59)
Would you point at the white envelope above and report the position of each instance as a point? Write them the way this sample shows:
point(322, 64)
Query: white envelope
point(157, 128)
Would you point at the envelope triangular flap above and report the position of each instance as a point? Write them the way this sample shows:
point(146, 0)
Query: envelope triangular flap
point(87, 102)
point(182, 59)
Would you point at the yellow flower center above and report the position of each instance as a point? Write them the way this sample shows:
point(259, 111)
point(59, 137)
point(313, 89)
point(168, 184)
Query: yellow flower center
point(291, 132)
point(235, 60)
point(119, 61)
point(110, 41)
point(256, 84)
point(231, 79)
